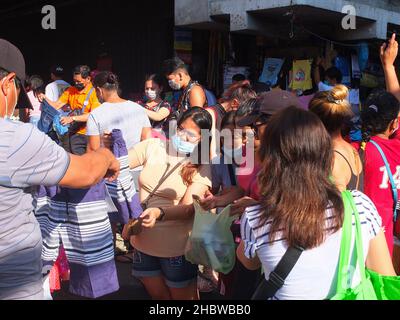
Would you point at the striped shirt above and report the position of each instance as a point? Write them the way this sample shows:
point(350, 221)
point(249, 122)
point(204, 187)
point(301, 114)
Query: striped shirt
point(314, 276)
point(27, 158)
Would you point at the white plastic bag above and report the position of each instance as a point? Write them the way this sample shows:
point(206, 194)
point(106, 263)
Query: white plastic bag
point(211, 242)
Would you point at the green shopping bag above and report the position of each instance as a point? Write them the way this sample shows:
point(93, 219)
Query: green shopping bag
point(211, 242)
point(373, 286)
point(386, 288)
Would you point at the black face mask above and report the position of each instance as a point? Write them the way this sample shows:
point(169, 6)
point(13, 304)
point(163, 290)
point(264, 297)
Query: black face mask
point(79, 86)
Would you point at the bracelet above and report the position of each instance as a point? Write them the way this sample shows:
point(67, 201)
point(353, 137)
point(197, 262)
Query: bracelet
point(162, 215)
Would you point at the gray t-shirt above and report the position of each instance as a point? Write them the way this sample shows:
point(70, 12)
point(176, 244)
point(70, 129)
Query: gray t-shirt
point(129, 117)
point(28, 158)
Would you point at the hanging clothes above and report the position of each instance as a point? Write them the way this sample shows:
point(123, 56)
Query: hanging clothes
point(123, 190)
point(343, 64)
point(78, 220)
point(271, 70)
point(302, 75)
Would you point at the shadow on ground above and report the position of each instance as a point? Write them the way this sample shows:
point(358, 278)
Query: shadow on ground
point(130, 288)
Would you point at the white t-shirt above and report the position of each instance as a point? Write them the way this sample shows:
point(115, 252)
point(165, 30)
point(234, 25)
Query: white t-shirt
point(55, 89)
point(129, 117)
point(315, 274)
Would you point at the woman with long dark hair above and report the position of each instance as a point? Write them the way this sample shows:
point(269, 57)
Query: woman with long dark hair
point(301, 207)
point(172, 173)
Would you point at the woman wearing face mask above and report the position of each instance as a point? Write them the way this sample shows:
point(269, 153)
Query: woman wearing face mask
point(235, 96)
point(380, 122)
point(157, 109)
point(172, 174)
point(224, 179)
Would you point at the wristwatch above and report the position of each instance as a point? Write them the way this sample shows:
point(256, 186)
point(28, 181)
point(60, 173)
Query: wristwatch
point(162, 215)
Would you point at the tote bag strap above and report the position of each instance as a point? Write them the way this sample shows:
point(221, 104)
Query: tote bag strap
point(86, 101)
point(277, 278)
point(345, 265)
point(162, 180)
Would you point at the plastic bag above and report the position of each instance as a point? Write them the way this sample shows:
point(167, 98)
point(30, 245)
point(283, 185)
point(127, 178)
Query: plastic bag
point(211, 243)
point(58, 127)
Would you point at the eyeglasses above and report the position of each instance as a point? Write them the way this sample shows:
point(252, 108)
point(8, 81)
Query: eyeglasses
point(191, 136)
point(262, 121)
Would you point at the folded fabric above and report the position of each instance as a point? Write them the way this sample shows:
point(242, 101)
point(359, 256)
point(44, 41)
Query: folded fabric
point(46, 117)
point(123, 190)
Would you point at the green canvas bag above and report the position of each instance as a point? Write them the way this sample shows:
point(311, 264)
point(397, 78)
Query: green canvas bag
point(372, 286)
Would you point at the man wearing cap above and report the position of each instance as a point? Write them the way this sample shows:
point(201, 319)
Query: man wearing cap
point(28, 158)
point(55, 89)
point(82, 99)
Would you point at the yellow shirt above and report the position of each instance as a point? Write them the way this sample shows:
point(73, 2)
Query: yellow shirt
point(168, 238)
point(76, 100)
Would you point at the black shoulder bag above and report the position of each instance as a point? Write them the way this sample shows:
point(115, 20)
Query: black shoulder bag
point(268, 289)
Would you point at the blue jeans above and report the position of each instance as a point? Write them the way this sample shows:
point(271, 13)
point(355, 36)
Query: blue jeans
point(178, 272)
point(34, 120)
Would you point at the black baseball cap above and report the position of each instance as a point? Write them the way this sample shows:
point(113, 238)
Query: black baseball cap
point(57, 70)
point(12, 60)
point(270, 103)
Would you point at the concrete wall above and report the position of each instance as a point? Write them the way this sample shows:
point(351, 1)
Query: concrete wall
point(377, 14)
point(188, 12)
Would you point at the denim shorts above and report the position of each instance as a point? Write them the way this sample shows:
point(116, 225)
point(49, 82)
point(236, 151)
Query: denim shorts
point(177, 272)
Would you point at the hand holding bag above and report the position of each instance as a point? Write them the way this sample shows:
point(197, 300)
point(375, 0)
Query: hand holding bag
point(211, 242)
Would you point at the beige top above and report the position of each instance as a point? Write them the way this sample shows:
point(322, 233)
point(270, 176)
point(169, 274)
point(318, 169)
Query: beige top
point(167, 239)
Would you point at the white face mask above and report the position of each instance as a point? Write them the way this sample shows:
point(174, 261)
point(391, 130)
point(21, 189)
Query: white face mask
point(174, 85)
point(151, 94)
point(16, 101)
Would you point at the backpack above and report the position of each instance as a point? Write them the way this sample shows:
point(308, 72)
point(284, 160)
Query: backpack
point(211, 99)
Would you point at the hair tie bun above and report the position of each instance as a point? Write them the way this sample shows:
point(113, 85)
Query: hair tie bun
point(331, 99)
point(112, 79)
point(374, 107)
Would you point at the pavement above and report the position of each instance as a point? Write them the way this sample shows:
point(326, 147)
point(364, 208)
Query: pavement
point(130, 288)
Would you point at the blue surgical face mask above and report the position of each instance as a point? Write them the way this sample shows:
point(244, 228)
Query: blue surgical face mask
point(183, 147)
